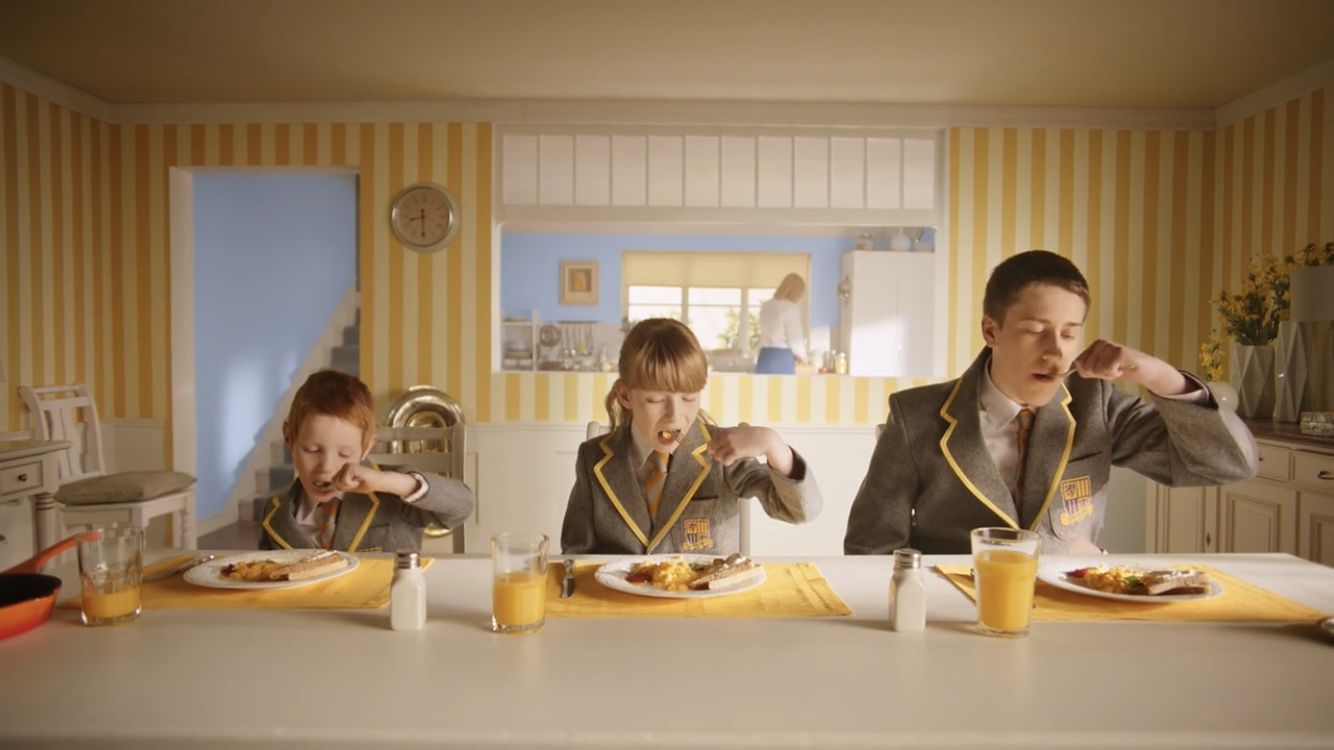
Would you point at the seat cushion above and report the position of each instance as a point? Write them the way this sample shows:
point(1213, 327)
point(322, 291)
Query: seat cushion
point(127, 486)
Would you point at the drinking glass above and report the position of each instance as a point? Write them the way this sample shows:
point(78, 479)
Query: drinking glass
point(519, 585)
point(111, 571)
point(1005, 569)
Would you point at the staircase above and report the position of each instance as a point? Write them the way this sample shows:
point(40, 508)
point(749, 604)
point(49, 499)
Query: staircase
point(278, 476)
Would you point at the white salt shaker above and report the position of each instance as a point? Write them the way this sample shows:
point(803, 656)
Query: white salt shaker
point(907, 592)
point(407, 594)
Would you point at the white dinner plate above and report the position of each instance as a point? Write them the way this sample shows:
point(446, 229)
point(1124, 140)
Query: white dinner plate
point(210, 573)
point(612, 575)
point(1053, 573)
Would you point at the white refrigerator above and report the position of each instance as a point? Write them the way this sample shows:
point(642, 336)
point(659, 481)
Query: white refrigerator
point(886, 325)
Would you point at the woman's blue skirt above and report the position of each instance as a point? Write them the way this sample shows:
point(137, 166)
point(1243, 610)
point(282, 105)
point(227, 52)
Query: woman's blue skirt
point(774, 360)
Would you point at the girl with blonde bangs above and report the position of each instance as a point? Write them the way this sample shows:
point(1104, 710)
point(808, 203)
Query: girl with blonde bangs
point(664, 478)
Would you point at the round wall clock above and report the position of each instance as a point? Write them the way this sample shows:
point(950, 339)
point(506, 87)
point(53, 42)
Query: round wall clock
point(424, 217)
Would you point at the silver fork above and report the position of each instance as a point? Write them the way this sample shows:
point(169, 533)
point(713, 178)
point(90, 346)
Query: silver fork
point(168, 573)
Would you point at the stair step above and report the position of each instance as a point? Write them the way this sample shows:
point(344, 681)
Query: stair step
point(258, 507)
point(281, 476)
point(346, 359)
point(278, 453)
point(352, 335)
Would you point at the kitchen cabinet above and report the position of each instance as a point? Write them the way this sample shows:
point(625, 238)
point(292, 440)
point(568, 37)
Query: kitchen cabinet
point(886, 315)
point(1257, 516)
point(1183, 519)
point(1287, 507)
point(863, 178)
point(1315, 527)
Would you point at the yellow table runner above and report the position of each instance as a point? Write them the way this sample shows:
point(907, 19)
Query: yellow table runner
point(367, 587)
point(1239, 602)
point(789, 590)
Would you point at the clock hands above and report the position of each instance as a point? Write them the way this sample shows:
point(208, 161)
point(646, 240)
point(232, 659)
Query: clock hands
point(421, 216)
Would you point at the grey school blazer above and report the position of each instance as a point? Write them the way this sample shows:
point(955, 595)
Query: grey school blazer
point(371, 523)
point(931, 479)
point(699, 511)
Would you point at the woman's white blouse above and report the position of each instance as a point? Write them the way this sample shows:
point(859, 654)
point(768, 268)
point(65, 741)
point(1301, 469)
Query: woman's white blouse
point(780, 326)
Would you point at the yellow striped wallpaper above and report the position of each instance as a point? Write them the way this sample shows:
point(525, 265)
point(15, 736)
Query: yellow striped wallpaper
point(85, 276)
point(1158, 219)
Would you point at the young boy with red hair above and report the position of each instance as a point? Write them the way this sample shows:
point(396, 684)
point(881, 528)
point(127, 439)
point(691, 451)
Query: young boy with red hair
point(337, 502)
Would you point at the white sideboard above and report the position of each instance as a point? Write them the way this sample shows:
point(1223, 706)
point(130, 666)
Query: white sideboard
point(1287, 507)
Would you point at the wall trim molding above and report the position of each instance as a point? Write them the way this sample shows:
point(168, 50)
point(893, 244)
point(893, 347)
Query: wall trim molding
point(674, 112)
point(1285, 90)
point(56, 92)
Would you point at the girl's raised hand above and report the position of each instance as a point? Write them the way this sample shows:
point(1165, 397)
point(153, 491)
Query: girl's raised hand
point(730, 444)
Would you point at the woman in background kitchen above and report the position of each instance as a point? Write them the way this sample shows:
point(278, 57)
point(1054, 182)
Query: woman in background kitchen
point(782, 339)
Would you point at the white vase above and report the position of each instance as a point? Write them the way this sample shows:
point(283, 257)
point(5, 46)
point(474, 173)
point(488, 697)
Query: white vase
point(1224, 394)
point(1252, 374)
point(1294, 352)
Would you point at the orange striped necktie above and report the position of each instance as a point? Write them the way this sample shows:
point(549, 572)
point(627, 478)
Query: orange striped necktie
point(1025, 420)
point(653, 485)
point(330, 511)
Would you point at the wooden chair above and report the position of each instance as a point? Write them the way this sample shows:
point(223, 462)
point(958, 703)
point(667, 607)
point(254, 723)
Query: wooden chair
point(594, 429)
point(437, 450)
point(85, 485)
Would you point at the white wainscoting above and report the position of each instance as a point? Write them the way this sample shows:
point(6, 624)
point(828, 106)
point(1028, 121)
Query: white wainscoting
point(522, 475)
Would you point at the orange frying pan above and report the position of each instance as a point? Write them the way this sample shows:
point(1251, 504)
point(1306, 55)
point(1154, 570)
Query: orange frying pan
point(27, 596)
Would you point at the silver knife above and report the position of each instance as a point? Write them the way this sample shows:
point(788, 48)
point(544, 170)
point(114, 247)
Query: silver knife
point(169, 572)
point(567, 585)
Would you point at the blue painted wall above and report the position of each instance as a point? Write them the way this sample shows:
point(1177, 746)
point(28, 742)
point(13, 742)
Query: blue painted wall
point(274, 255)
point(530, 268)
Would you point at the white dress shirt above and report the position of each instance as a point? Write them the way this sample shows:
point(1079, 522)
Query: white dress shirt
point(780, 327)
point(313, 518)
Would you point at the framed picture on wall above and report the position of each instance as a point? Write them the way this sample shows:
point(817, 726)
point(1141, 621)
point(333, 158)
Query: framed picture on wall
point(579, 282)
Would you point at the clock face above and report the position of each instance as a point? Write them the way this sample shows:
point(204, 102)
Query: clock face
point(423, 217)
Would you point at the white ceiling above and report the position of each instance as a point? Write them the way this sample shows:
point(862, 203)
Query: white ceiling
point(1072, 53)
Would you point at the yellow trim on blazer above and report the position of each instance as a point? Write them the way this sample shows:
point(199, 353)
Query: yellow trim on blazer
point(1065, 458)
point(690, 493)
point(268, 517)
point(616, 501)
point(954, 465)
point(366, 524)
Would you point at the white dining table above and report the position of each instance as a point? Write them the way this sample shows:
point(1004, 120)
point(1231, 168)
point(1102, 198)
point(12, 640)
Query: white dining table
point(343, 679)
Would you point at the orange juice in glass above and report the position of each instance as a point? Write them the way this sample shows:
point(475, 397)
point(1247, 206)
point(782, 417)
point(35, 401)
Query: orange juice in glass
point(518, 589)
point(1005, 569)
point(111, 574)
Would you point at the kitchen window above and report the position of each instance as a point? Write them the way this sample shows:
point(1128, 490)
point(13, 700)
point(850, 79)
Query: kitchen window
point(717, 294)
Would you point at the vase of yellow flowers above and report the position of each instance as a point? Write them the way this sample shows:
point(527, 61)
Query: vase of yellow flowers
point(1251, 318)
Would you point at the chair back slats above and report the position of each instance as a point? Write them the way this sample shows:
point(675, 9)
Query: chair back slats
point(55, 417)
point(439, 450)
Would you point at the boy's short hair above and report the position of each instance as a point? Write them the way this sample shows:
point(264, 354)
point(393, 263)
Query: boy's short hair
point(338, 395)
point(1015, 273)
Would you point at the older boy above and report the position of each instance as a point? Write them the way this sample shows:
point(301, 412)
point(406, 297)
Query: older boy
point(1015, 442)
point(336, 502)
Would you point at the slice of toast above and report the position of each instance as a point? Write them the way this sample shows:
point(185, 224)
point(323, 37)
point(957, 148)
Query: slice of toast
point(737, 580)
point(1161, 582)
point(717, 576)
point(317, 564)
